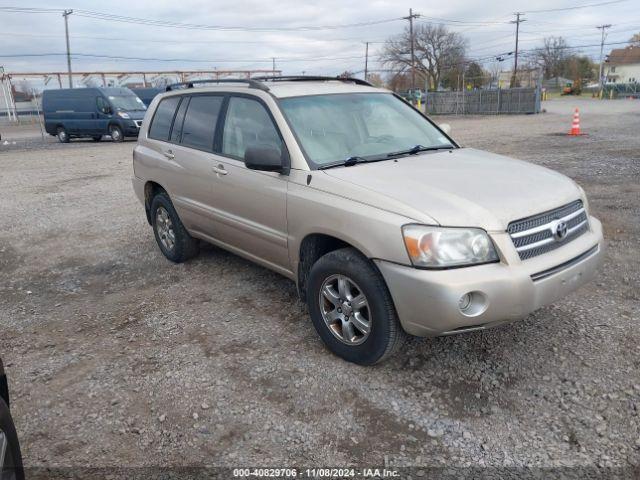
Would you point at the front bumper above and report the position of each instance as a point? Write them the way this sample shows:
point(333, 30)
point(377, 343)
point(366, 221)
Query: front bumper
point(131, 128)
point(427, 301)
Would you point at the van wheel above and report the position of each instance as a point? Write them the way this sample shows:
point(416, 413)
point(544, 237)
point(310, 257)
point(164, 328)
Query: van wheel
point(173, 239)
point(351, 308)
point(11, 467)
point(97, 138)
point(63, 136)
point(116, 133)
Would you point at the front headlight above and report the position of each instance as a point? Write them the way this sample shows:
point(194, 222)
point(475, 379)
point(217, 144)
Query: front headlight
point(437, 247)
point(123, 115)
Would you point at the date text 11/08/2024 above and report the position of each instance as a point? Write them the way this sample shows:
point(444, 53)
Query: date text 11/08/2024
point(315, 473)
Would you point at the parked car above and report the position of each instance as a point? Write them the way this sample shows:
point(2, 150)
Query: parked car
point(92, 112)
point(10, 457)
point(385, 223)
point(147, 94)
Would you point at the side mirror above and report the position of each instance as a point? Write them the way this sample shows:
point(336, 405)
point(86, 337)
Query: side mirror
point(445, 127)
point(263, 157)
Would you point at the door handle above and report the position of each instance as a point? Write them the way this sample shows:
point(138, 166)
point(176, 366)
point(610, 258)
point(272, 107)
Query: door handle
point(220, 170)
point(169, 154)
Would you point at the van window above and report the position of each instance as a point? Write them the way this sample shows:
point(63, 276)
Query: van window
point(199, 125)
point(162, 119)
point(248, 124)
point(103, 106)
point(176, 131)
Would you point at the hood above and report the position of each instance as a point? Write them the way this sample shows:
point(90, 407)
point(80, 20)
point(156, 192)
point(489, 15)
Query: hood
point(461, 187)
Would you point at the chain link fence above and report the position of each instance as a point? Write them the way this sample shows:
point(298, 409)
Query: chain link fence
point(484, 102)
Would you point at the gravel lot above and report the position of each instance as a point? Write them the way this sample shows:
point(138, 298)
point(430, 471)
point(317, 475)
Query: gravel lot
point(117, 357)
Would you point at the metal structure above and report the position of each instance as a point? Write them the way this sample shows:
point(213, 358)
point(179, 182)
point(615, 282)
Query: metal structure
point(161, 78)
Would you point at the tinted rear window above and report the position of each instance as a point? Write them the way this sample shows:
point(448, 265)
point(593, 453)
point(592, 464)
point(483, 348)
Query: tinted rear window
point(176, 131)
point(161, 123)
point(200, 121)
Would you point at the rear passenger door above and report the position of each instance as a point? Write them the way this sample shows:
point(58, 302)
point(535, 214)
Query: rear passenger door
point(250, 204)
point(182, 132)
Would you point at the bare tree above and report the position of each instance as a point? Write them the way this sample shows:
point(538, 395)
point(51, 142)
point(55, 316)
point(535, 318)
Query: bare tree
point(635, 40)
point(553, 56)
point(436, 51)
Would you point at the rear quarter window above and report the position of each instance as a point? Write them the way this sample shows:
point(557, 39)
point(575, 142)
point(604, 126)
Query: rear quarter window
point(199, 127)
point(163, 118)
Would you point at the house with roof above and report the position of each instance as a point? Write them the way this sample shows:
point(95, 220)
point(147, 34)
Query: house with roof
point(623, 65)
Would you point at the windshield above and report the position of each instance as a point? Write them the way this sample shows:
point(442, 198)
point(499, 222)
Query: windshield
point(336, 127)
point(126, 102)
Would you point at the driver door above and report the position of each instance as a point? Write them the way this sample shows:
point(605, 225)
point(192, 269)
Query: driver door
point(103, 114)
point(251, 205)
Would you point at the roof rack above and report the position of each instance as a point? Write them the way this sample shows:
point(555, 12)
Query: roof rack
point(252, 83)
point(310, 78)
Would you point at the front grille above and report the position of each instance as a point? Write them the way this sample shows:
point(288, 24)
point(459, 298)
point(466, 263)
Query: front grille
point(535, 235)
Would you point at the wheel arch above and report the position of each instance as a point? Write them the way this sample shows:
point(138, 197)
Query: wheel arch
point(311, 248)
point(151, 189)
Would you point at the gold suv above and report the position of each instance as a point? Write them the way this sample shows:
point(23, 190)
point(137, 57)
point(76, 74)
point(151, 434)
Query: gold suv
point(383, 221)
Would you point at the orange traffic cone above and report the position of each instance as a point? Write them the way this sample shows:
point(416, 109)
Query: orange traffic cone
point(575, 126)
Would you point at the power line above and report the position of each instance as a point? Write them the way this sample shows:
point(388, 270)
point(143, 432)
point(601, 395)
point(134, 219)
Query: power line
point(577, 7)
point(179, 42)
point(186, 60)
point(168, 24)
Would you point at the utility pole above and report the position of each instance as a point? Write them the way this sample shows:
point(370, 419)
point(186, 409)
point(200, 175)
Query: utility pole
point(602, 28)
point(273, 68)
point(517, 21)
point(66, 14)
point(366, 60)
point(413, 53)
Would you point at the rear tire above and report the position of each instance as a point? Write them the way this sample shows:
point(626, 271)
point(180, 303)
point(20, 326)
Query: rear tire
point(356, 319)
point(12, 466)
point(173, 239)
point(63, 136)
point(116, 133)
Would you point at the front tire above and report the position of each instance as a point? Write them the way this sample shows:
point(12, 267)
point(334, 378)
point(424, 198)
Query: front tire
point(63, 136)
point(173, 239)
point(351, 308)
point(11, 468)
point(116, 133)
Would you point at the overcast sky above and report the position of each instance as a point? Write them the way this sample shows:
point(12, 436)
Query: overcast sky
point(325, 51)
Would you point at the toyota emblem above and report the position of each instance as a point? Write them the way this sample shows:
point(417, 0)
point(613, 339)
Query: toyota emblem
point(560, 231)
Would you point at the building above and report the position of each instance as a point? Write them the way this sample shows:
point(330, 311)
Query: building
point(623, 65)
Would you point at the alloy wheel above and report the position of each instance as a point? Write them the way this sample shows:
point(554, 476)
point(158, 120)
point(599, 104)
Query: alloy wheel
point(164, 227)
point(345, 309)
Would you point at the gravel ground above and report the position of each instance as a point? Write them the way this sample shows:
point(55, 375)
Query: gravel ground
point(118, 357)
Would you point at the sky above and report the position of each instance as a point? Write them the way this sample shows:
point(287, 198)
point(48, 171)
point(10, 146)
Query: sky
point(293, 32)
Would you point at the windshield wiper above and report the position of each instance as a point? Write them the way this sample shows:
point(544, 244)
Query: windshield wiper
point(350, 162)
point(417, 149)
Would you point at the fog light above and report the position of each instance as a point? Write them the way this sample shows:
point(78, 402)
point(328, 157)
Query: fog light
point(472, 304)
point(464, 302)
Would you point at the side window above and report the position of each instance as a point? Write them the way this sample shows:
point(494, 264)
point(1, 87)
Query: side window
point(248, 124)
point(162, 118)
point(176, 131)
point(199, 127)
point(103, 106)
